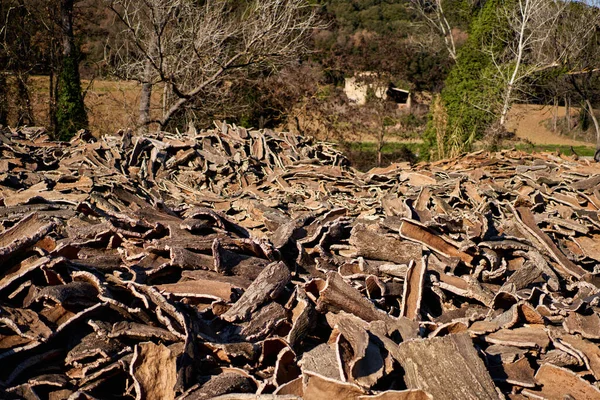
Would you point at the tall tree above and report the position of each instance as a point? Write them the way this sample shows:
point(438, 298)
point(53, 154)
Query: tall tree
point(16, 62)
point(511, 43)
point(579, 40)
point(196, 50)
point(531, 25)
point(468, 104)
point(70, 113)
point(433, 13)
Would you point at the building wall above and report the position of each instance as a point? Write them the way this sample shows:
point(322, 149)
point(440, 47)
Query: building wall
point(356, 91)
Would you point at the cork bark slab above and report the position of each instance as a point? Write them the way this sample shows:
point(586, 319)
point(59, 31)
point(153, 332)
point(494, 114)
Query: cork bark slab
point(447, 367)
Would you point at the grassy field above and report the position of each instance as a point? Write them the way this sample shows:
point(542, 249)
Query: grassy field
point(363, 155)
point(582, 151)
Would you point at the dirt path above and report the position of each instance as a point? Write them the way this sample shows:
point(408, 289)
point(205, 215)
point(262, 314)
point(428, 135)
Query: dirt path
point(528, 120)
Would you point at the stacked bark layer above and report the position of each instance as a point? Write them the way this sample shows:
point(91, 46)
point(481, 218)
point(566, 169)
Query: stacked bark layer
point(250, 264)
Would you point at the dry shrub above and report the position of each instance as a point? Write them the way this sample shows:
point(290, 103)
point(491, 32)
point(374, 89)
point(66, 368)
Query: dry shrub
point(440, 125)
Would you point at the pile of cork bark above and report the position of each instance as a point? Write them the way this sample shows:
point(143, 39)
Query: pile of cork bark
point(243, 264)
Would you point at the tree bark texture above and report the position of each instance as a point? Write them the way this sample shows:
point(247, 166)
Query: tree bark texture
point(70, 110)
point(145, 98)
point(66, 16)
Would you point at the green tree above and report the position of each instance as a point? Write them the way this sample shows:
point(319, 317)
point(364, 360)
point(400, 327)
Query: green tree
point(470, 98)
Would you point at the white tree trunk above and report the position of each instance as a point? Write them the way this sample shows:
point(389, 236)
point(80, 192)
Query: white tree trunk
point(506, 103)
point(525, 8)
point(446, 30)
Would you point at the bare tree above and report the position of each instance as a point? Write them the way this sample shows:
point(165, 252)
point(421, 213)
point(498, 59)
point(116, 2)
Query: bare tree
point(16, 62)
point(531, 24)
point(197, 48)
point(432, 12)
point(579, 40)
point(70, 111)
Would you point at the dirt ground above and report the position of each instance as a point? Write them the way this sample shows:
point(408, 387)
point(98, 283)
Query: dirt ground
point(529, 122)
point(111, 105)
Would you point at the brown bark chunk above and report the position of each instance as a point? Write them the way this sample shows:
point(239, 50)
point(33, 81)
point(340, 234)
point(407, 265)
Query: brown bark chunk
point(457, 373)
point(560, 383)
point(268, 285)
point(154, 372)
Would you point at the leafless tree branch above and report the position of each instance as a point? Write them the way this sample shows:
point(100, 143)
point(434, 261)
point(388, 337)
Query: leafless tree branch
point(194, 48)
